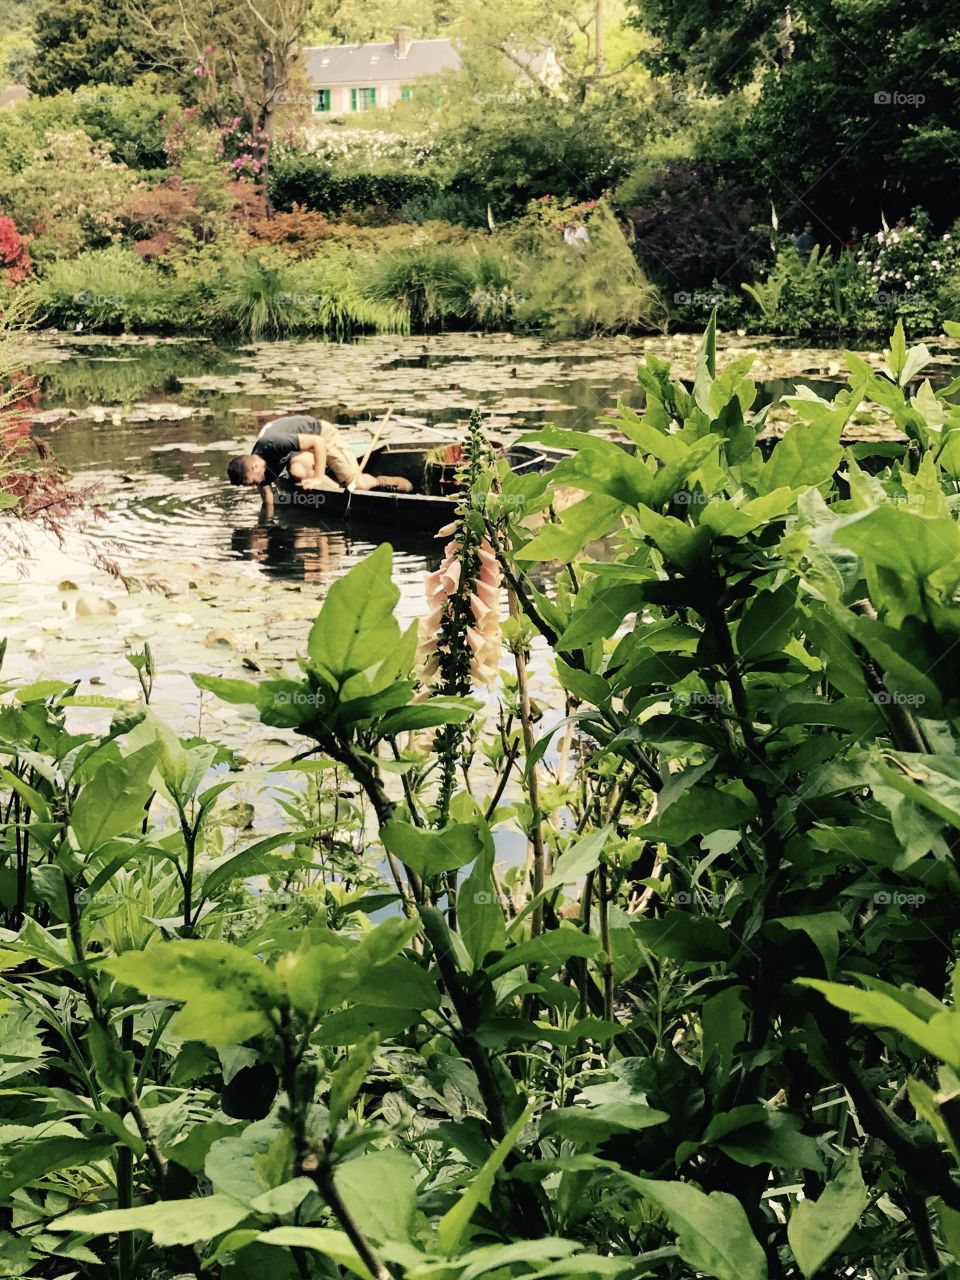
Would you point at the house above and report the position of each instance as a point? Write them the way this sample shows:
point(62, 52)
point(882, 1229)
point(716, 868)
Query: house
point(358, 77)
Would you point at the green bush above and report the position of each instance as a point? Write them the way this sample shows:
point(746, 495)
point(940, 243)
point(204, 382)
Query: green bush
point(432, 283)
point(300, 179)
point(108, 289)
point(580, 290)
point(266, 295)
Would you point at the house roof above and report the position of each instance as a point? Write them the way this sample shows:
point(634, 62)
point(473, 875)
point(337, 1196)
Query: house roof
point(360, 64)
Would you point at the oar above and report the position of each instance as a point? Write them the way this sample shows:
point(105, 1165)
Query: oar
point(372, 445)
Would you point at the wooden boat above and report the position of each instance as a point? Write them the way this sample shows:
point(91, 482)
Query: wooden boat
point(430, 468)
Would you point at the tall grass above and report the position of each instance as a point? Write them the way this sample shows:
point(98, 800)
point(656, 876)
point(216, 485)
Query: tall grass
point(498, 281)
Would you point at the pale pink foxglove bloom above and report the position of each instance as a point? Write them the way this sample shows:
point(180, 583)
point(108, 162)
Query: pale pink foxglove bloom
point(446, 590)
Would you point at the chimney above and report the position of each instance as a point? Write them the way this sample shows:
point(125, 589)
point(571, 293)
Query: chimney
point(402, 40)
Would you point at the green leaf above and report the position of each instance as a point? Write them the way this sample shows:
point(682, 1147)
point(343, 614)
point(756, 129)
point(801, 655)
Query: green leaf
point(578, 859)
point(426, 715)
point(817, 1228)
point(430, 853)
point(112, 802)
point(356, 629)
point(939, 1036)
point(713, 1234)
point(823, 930)
point(379, 1189)
point(170, 1222)
point(591, 1126)
point(332, 1244)
point(349, 1076)
point(453, 1224)
point(479, 913)
point(808, 454)
point(240, 693)
point(912, 544)
point(767, 622)
point(39, 1153)
point(551, 950)
point(584, 522)
point(227, 994)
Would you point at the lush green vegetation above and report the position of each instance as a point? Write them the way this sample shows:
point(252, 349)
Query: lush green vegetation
point(708, 1027)
point(708, 133)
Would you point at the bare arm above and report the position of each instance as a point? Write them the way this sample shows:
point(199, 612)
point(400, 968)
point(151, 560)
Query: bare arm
point(316, 446)
point(266, 497)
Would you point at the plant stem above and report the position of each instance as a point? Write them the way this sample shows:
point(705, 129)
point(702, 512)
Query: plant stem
point(531, 780)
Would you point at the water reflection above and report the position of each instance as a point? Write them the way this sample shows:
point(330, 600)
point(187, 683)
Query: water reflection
point(311, 553)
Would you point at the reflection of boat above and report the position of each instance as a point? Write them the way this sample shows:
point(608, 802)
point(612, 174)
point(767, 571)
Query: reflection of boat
point(431, 469)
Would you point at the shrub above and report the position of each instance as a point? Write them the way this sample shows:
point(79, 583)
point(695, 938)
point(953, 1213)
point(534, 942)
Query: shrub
point(265, 295)
point(108, 289)
point(432, 283)
point(696, 225)
point(298, 179)
point(69, 197)
point(580, 290)
point(15, 261)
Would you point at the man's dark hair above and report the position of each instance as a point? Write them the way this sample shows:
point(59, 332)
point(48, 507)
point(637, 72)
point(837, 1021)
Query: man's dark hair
point(237, 468)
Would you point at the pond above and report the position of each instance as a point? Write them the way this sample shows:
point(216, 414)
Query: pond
point(151, 423)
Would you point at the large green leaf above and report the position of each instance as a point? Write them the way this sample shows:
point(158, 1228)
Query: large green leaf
point(817, 1228)
point(112, 802)
point(356, 629)
point(453, 1224)
point(584, 522)
point(912, 544)
point(379, 1189)
point(170, 1222)
point(227, 993)
point(713, 1234)
point(939, 1036)
point(429, 853)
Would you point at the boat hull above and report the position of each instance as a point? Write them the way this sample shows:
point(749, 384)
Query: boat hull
point(422, 512)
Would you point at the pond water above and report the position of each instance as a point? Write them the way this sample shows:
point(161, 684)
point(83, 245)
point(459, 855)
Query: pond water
point(151, 422)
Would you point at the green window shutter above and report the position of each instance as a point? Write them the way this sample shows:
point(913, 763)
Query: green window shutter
point(372, 97)
point(323, 100)
point(353, 99)
point(406, 93)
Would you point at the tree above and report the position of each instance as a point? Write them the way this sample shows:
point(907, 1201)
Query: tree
point(78, 43)
point(241, 53)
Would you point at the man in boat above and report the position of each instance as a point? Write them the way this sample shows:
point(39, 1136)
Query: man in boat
point(308, 452)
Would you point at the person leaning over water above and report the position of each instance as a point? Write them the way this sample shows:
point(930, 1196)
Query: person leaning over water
point(308, 451)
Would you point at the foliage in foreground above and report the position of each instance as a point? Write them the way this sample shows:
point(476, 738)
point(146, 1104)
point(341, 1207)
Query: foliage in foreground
point(709, 1028)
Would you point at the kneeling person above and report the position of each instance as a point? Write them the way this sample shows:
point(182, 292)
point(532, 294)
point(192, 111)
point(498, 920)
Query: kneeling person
point(308, 451)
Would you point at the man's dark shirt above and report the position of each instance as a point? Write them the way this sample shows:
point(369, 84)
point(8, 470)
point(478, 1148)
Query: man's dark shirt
point(280, 440)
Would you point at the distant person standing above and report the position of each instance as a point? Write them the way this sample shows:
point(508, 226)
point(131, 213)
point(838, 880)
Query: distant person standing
point(852, 242)
point(805, 242)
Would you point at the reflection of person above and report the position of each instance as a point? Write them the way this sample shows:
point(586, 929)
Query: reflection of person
point(302, 552)
point(310, 453)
